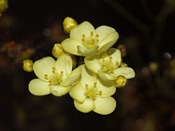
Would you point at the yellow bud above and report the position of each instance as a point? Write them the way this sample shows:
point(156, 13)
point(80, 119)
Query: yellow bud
point(28, 65)
point(3, 6)
point(68, 24)
point(120, 81)
point(57, 50)
point(123, 64)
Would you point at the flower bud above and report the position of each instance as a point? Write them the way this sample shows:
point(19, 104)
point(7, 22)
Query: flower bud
point(28, 65)
point(120, 81)
point(3, 6)
point(57, 50)
point(68, 24)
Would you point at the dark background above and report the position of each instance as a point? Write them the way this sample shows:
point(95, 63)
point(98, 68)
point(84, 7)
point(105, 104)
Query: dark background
point(146, 30)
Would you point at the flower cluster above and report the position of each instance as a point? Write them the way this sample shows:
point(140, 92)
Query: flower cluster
point(91, 84)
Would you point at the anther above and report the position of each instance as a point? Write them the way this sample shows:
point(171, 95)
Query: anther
point(103, 57)
point(117, 63)
point(95, 83)
point(83, 40)
point(53, 68)
point(110, 58)
point(92, 33)
point(61, 72)
point(112, 68)
point(100, 92)
point(93, 96)
point(97, 35)
point(93, 40)
point(50, 81)
point(86, 94)
point(83, 35)
point(86, 85)
point(45, 76)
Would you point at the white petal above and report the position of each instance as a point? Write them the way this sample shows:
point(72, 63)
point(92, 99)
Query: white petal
point(43, 66)
point(87, 52)
point(107, 87)
point(87, 77)
point(70, 45)
point(64, 63)
point(59, 90)
point(39, 87)
point(77, 92)
point(73, 77)
point(92, 63)
point(106, 76)
point(86, 106)
point(83, 28)
point(115, 54)
point(104, 106)
point(127, 72)
point(104, 31)
point(108, 42)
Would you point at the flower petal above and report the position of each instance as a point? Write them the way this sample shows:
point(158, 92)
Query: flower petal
point(77, 92)
point(59, 90)
point(70, 46)
point(87, 77)
point(115, 54)
point(43, 66)
point(86, 106)
point(83, 28)
point(87, 52)
point(39, 87)
point(108, 42)
point(105, 76)
point(107, 87)
point(104, 106)
point(104, 31)
point(127, 72)
point(64, 63)
point(92, 63)
point(73, 77)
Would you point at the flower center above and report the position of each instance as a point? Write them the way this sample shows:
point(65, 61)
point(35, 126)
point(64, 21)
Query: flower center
point(91, 41)
point(55, 78)
point(92, 91)
point(107, 65)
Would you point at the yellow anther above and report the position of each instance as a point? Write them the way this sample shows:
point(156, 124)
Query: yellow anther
point(95, 83)
point(100, 92)
point(94, 97)
point(82, 40)
point(86, 85)
point(86, 94)
point(83, 35)
point(50, 81)
point(93, 40)
point(92, 33)
point(61, 72)
point(110, 58)
point(97, 35)
point(45, 76)
point(53, 68)
point(103, 57)
point(57, 79)
point(117, 63)
point(112, 68)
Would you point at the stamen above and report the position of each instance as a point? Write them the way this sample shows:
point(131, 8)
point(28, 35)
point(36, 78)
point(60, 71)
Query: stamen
point(93, 96)
point(83, 40)
point(86, 94)
point(103, 57)
point(53, 69)
point(110, 58)
point(95, 83)
point(57, 79)
point(100, 92)
point(50, 81)
point(112, 68)
point(83, 35)
point(117, 63)
point(61, 72)
point(92, 33)
point(45, 76)
point(97, 35)
point(86, 85)
point(93, 40)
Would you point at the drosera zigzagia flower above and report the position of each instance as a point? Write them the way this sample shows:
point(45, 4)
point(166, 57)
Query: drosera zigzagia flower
point(85, 40)
point(54, 77)
point(93, 94)
point(107, 65)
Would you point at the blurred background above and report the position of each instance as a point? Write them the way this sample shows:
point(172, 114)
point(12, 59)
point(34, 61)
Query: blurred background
point(29, 29)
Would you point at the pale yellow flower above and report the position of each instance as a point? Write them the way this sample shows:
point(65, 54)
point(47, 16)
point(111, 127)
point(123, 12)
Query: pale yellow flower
point(54, 77)
point(85, 40)
point(107, 65)
point(93, 94)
